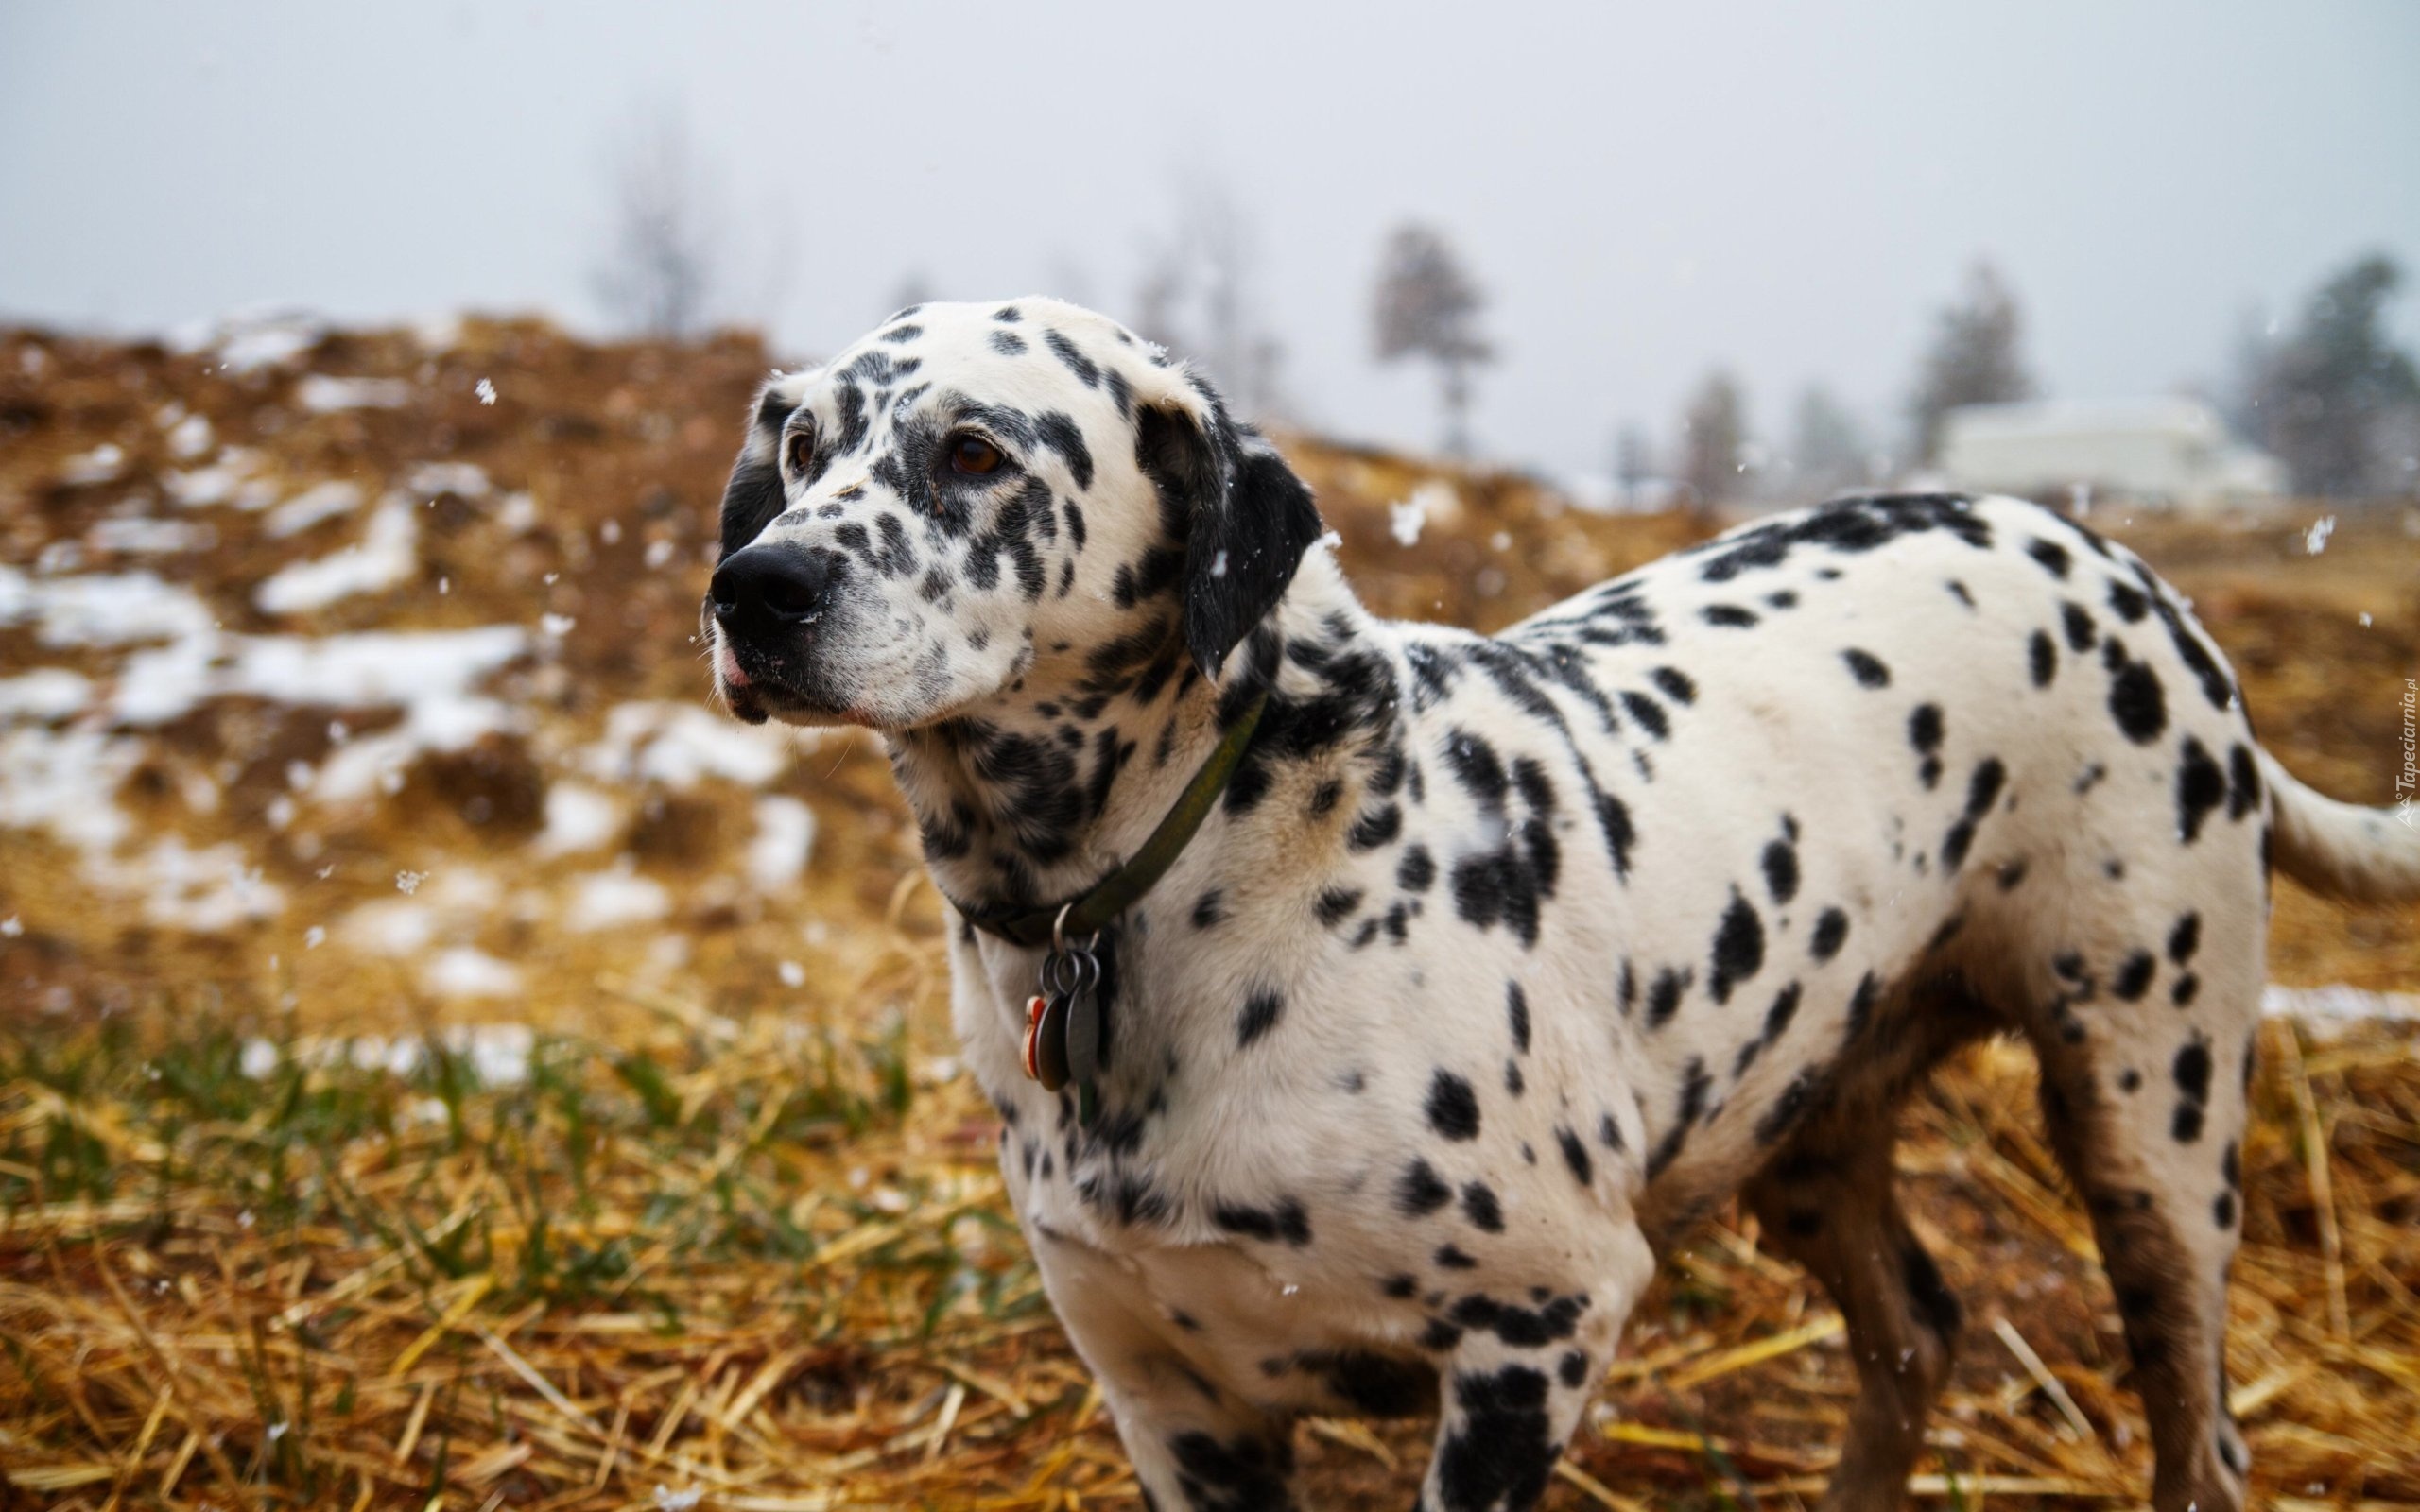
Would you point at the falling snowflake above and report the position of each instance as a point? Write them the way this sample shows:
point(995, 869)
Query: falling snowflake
point(793, 974)
point(557, 625)
point(408, 883)
point(1404, 521)
point(314, 937)
point(10, 927)
point(2315, 538)
point(486, 391)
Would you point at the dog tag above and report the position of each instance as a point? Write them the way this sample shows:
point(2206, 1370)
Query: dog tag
point(1083, 1024)
point(1046, 1044)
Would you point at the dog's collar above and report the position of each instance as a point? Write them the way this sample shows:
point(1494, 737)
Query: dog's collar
point(1095, 906)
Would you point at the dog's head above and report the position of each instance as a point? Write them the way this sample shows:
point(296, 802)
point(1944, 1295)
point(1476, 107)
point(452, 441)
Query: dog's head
point(977, 496)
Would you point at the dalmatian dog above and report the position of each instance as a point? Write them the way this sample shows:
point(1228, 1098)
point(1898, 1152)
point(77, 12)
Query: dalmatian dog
point(1500, 960)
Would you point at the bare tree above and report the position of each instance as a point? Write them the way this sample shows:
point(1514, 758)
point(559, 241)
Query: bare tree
point(660, 271)
point(1829, 452)
point(1714, 441)
point(2336, 399)
point(1427, 306)
point(1199, 291)
point(1634, 463)
point(1975, 357)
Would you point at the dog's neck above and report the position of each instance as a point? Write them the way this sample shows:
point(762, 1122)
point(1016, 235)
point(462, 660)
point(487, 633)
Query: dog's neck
point(1049, 785)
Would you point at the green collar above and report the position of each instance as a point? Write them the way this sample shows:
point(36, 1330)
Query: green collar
point(1090, 910)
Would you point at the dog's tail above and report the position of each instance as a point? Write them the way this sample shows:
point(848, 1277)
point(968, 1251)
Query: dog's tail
point(2357, 854)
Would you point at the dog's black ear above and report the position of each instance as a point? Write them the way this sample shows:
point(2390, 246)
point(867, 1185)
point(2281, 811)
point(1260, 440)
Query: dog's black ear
point(1244, 516)
point(753, 495)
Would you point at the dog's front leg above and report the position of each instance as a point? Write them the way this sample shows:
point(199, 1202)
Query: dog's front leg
point(1518, 1377)
point(1195, 1447)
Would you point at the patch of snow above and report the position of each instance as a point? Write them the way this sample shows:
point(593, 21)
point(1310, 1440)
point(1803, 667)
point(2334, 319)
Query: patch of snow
point(67, 781)
point(467, 972)
point(250, 341)
point(226, 480)
point(429, 673)
point(2337, 1005)
point(322, 395)
point(498, 1053)
point(103, 609)
point(141, 536)
point(1435, 499)
point(578, 817)
point(608, 899)
point(101, 464)
point(680, 745)
point(320, 500)
point(387, 555)
point(389, 926)
point(785, 837)
point(190, 439)
point(43, 695)
point(207, 891)
point(428, 479)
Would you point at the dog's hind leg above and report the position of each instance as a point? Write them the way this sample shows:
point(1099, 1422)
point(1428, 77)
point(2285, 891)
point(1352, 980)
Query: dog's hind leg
point(1827, 1201)
point(2146, 1056)
point(1517, 1371)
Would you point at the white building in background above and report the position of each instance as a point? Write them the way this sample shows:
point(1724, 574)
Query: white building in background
point(2171, 450)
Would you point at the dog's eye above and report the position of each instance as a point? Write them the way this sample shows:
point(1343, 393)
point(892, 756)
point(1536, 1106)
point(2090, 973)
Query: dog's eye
point(974, 455)
point(798, 451)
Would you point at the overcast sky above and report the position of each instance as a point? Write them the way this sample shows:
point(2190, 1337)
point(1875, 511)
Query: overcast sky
point(1644, 192)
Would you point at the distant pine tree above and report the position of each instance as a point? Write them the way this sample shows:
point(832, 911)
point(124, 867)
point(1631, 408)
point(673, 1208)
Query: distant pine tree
point(1713, 443)
point(1975, 357)
point(1427, 306)
point(2336, 401)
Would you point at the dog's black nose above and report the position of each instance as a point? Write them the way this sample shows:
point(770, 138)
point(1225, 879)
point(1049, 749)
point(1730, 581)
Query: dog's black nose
point(765, 590)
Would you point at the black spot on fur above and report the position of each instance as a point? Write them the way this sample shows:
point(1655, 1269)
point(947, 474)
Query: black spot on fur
point(1924, 731)
point(1867, 668)
point(1287, 1220)
point(1421, 1193)
point(1501, 1447)
point(1416, 870)
point(1664, 998)
point(2043, 657)
point(1781, 870)
point(1517, 1010)
point(2136, 699)
point(1247, 1475)
point(2076, 622)
point(1831, 932)
point(2201, 787)
point(1982, 790)
point(1575, 1155)
point(1260, 1015)
point(1336, 905)
point(1480, 1207)
point(1453, 1108)
point(1739, 948)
